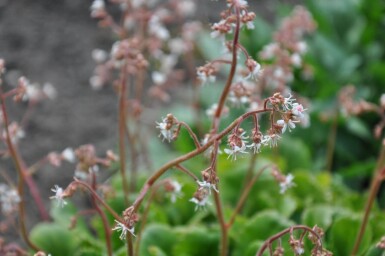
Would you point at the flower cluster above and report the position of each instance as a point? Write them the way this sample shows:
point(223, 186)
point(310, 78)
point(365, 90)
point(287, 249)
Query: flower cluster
point(9, 198)
point(291, 113)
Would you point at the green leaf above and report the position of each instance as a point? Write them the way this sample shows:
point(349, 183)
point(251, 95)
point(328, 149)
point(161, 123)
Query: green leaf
point(195, 241)
point(343, 234)
point(157, 235)
point(260, 227)
point(320, 215)
point(358, 127)
point(53, 239)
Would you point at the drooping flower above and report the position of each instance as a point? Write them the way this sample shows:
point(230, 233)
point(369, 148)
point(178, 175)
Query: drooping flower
point(207, 185)
point(59, 195)
point(286, 183)
point(120, 227)
point(286, 124)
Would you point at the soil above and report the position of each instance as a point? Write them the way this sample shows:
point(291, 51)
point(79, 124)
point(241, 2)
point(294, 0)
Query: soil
point(51, 41)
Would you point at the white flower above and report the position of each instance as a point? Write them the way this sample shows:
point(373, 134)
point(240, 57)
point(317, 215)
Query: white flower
point(298, 110)
point(97, 5)
point(120, 227)
point(204, 78)
point(288, 102)
point(268, 51)
point(59, 196)
point(207, 185)
point(236, 150)
point(200, 204)
point(257, 146)
point(256, 72)
point(177, 191)
point(238, 101)
point(158, 77)
point(49, 91)
point(272, 140)
point(299, 250)
point(9, 198)
point(301, 47)
point(157, 29)
point(287, 183)
point(296, 60)
point(186, 7)
point(177, 45)
point(164, 131)
point(286, 124)
point(68, 154)
point(99, 55)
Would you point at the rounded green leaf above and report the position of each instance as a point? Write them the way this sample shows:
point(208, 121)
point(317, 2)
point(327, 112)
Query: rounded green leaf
point(53, 239)
point(343, 234)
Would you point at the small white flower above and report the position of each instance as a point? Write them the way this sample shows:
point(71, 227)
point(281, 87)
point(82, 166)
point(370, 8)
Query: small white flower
point(166, 133)
point(257, 146)
point(299, 250)
point(301, 47)
point(207, 185)
point(287, 183)
point(296, 60)
point(120, 227)
point(177, 192)
point(9, 198)
point(49, 91)
point(272, 140)
point(58, 196)
point(200, 204)
point(298, 110)
point(286, 124)
point(288, 102)
point(236, 150)
point(158, 77)
point(99, 55)
point(97, 5)
point(68, 154)
point(204, 78)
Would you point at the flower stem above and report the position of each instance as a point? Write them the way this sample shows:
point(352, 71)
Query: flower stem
point(107, 229)
point(21, 176)
point(374, 187)
point(122, 129)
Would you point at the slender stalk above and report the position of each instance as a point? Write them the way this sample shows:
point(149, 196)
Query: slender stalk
point(106, 226)
point(189, 173)
point(331, 143)
point(215, 127)
point(244, 196)
point(374, 187)
point(19, 168)
point(192, 134)
point(98, 198)
point(222, 224)
point(144, 218)
point(122, 130)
